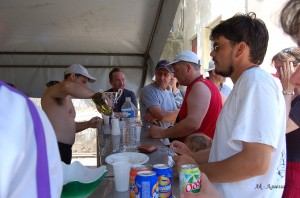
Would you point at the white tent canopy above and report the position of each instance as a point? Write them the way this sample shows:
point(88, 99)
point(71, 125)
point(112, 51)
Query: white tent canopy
point(39, 39)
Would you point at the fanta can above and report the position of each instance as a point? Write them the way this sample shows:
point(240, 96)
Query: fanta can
point(134, 170)
point(189, 178)
point(146, 185)
point(164, 175)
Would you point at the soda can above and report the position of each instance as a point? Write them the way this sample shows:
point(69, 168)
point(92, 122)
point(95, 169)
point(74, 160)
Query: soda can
point(134, 170)
point(146, 183)
point(189, 178)
point(164, 175)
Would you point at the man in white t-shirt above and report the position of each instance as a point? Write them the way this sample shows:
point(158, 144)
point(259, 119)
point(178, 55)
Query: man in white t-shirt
point(30, 162)
point(248, 153)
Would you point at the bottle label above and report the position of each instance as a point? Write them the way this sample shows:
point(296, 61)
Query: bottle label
point(128, 113)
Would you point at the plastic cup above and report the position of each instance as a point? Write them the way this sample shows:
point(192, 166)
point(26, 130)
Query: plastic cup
point(115, 126)
point(121, 175)
point(120, 159)
point(138, 132)
point(115, 143)
point(106, 119)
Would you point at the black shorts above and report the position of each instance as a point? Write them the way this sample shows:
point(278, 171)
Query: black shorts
point(65, 151)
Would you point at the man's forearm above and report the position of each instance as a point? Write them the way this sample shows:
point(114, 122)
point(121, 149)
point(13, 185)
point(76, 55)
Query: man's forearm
point(80, 126)
point(168, 116)
point(182, 129)
point(236, 168)
point(201, 156)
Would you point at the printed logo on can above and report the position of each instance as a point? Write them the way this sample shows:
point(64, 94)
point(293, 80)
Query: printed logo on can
point(189, 178)
point(164, 186)
point(164, 174)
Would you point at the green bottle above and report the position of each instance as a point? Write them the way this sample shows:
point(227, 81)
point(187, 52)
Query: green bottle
point(98, 100)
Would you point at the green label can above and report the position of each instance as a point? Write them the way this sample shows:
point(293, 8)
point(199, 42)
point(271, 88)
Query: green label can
point(189, 178)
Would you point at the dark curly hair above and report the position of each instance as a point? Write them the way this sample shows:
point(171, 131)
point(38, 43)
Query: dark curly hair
point(247, 28)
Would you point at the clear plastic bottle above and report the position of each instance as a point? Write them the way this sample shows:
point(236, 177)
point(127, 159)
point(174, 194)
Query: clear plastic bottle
point(128, 129)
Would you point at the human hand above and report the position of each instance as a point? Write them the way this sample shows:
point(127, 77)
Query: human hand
point(285, 72)
point(95, 122)
point(181, 160)
point(149, 118)
point(208, 190)
point(156, 132)
point(180, 148)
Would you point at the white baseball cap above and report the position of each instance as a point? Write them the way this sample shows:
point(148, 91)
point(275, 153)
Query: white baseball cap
point(187, 56)
point(79, 69)
point(211, 66)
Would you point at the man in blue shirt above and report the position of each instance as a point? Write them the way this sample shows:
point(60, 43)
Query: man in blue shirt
point(117, 81)
point(157, 103)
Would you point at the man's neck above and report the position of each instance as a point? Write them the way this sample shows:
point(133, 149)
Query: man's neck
point(214, 81)
point(115, 89)
point(193, 78)
point(240, 70)
point(160, 87)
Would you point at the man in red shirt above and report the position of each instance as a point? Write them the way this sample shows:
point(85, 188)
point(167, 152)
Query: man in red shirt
point(201, 105)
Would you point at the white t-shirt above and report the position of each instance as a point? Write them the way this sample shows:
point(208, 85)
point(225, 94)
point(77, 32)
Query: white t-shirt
point(253, 112)
point(225, 90)
point(18, 150)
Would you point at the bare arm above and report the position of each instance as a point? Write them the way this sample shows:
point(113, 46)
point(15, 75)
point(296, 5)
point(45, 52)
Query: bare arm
point(66, 88)
point(286, 71)
point(163, 115)
point(198, 102)
point(92, 123)
point(253, 160)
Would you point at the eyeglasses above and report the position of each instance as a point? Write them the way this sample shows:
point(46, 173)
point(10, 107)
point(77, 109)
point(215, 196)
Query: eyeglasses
point(217, 46)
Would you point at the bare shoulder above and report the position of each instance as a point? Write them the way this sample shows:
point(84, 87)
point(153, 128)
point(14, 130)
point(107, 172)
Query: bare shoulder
point(52, 96)
point(200, 89)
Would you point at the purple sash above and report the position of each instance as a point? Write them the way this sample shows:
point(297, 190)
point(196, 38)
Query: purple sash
point(42, 174)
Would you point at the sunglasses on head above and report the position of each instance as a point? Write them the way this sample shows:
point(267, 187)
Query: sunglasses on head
point(290, 52)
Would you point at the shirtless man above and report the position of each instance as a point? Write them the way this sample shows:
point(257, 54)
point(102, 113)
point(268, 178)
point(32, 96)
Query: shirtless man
point(57, 104)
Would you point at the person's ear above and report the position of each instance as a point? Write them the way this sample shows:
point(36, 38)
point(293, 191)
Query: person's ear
point(73, 76)
point(189, 67)
point(241, 47)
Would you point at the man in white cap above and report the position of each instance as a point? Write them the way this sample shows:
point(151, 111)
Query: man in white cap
point(218, 80)
point(202, 103)
point(57, 104)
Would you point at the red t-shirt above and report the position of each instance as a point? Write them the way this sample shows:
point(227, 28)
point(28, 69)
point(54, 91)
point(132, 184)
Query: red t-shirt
point(208, 124)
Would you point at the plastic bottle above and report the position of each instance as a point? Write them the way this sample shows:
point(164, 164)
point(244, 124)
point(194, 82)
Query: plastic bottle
point(128, 129)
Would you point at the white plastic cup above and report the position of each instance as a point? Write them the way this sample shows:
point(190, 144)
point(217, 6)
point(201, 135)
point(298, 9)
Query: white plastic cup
point(121, 175)
point(106, 119)
point(115, 126)
point(117, 159)
point(138, 132)
point(115, 143)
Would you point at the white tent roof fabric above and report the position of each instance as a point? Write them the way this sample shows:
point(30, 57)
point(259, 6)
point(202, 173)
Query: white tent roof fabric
point(39, 39)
